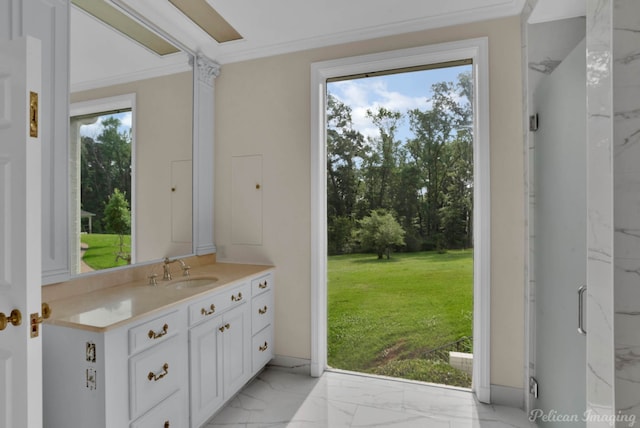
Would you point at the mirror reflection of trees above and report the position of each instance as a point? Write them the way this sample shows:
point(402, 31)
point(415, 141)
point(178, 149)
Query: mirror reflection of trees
point(105, 162)
point(425, 182)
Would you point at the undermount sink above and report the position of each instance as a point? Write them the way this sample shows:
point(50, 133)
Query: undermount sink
point(192, 282)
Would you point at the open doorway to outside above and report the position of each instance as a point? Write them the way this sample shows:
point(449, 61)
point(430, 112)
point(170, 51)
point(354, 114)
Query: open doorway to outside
point(321, 75)
point(101, 144)
point(400, 223)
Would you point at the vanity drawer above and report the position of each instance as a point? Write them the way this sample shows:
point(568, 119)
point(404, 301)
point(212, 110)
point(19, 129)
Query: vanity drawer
point(171, 413)
point(154, 332)
point(261, 348)
point(155, 374)
point(218, 303)
point(261, 311)
point(262, 284)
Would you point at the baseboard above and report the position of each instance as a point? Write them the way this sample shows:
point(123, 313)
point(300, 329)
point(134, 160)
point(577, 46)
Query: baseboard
point(291, 364)
point(507, 396)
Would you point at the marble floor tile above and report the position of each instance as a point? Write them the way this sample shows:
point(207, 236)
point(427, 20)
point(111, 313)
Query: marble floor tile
point(280, 399)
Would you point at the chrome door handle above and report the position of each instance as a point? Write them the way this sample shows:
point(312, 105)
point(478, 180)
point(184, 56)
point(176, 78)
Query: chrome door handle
point(581, 291)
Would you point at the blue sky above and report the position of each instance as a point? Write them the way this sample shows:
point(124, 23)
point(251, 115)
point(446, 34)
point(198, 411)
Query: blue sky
point(400, 92)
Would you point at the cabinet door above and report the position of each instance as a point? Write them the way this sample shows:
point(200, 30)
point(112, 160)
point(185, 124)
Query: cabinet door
point(205, 346)
point(236, 339)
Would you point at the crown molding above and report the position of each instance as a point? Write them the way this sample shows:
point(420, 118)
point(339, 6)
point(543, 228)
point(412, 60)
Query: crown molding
point(236, 54)
point(130, 77)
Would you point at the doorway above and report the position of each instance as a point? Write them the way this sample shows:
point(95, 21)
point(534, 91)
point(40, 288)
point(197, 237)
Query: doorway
point(399, 221)
point(477, 51)
point(102, 141)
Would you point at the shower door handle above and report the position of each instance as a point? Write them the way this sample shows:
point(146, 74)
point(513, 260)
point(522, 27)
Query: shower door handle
point(581, 291)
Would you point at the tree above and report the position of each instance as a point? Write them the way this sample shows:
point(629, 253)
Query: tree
point(442, 151)
point(345, 146)
point(117, 218)
point(380, 167)
point(105, 165)
point(380, 232)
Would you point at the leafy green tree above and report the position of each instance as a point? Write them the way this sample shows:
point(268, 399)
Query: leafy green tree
point(426, 181)
point(117, 219)
point(345, 147)
point(442, 151)
point(380, 232)
point(381, 165)
point(105, 166)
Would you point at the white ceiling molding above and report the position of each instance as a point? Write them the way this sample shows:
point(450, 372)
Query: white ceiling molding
point(238, 53)
point(149, 73)
point(269, 28)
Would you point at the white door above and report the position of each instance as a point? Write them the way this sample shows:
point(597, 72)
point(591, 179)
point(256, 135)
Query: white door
point(20, 233)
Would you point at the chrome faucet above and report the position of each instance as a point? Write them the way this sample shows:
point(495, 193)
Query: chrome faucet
point(167, 271)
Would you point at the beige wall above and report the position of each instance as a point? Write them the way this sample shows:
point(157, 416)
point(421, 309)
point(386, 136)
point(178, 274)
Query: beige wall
point(263, 107)
point(163, 133)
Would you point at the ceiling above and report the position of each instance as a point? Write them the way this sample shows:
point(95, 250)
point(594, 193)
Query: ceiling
point(552, 10)
point(277, 26)
point(267, 27)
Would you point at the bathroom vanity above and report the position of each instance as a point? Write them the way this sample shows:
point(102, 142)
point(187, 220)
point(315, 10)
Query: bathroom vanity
point(164, 356)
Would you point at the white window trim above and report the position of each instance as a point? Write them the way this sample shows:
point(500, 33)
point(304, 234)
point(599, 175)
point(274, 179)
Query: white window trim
point(478, 51)
point(117, 102)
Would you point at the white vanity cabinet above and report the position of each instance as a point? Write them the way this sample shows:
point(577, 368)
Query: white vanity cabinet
point(261, 321)
point(170, 366)
point(219, 340)
point(121, 377)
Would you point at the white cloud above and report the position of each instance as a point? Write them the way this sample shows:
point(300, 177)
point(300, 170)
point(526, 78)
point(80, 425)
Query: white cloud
point(370, 94)
point(95, 129)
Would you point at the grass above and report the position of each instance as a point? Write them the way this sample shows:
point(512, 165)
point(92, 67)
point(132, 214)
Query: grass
point(384, 315)
point(103, 250)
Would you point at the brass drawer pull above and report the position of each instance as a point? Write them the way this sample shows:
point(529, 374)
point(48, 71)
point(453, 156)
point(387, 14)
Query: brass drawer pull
point(156, 377)
point(206, 312)
point(236, 299)
point(227, 326)
point(263, 285)
point(263, 347)
point(153, 335)
point(262, 311)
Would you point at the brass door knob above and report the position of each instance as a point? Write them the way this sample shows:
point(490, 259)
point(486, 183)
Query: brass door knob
point(46, 310)
point(15, 319)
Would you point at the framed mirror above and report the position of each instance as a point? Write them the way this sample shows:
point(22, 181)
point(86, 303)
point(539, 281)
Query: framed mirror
point(131, 147)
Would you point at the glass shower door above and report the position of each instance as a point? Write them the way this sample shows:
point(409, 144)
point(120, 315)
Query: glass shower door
point(560, 258)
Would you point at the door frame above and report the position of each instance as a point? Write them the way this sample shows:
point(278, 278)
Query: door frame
point(478, 51)
point(104, 105)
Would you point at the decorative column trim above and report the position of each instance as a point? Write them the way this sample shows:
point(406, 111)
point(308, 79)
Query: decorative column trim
point(205, 71)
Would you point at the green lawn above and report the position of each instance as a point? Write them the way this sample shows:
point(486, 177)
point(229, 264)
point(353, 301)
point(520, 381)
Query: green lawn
point(383, 313)
point(103, 250)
